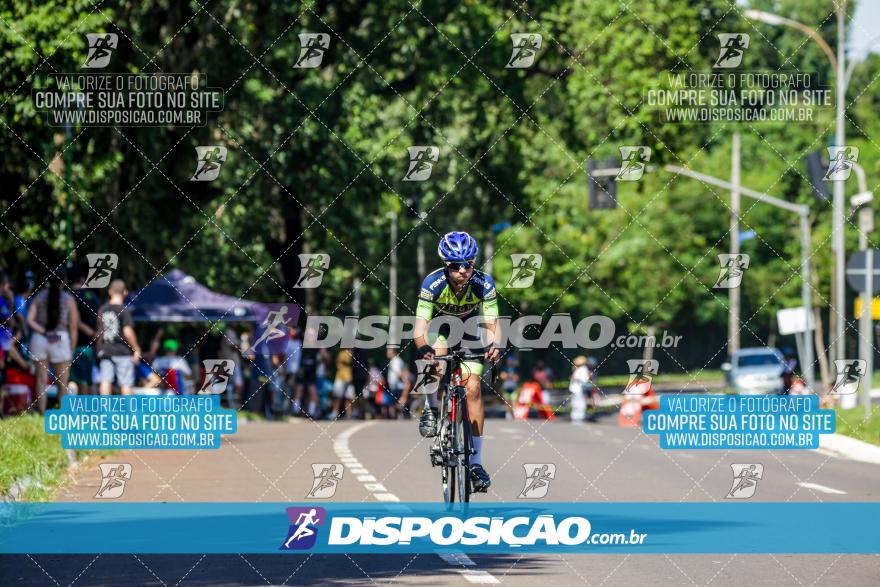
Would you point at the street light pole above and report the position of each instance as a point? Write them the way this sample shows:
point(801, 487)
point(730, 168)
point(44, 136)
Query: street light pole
point(863, 202)
point(733, 327)
point(839, 345)
point(837, 348)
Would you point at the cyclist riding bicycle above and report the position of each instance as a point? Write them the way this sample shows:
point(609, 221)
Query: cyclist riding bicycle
point(457, 289)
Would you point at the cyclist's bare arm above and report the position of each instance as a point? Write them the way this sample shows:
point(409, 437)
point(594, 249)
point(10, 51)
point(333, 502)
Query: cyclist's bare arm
point(494, 334)
point(420, 336)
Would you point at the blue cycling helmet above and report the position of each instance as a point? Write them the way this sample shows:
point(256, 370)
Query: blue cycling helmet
point(457, 246)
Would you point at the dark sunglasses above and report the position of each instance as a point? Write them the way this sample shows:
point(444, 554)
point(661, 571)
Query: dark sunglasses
point(456, 265)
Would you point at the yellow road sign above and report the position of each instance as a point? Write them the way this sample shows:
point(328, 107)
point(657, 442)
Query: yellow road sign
point(875, 308)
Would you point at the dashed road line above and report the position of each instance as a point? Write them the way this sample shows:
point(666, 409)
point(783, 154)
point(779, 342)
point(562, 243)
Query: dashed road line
point(380, 493)
point(822, 488)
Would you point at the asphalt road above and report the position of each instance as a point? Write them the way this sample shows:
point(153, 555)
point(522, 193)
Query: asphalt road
point(271, 462)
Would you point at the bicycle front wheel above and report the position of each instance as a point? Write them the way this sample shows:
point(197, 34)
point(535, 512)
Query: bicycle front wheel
point(447, 471)
point(462, 448)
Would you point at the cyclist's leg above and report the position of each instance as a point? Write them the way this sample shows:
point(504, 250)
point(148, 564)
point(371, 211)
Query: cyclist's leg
point(428, 419)
point(475, 413)
point(479, 477)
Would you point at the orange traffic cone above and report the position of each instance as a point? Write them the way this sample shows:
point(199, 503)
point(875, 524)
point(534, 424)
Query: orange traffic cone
point(630, 415)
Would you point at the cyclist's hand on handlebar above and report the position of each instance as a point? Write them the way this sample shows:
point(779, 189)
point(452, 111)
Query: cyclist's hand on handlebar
point(493, 354)
point(426, 352)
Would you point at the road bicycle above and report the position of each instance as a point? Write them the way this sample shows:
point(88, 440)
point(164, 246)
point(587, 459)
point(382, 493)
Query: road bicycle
point(454, 445)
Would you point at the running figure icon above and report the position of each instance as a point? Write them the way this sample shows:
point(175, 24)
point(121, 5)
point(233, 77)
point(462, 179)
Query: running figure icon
point(733, 46)
point(745, 480)
point(303, 530)
point(275, 326)
point(538, 477)
point(327, 478)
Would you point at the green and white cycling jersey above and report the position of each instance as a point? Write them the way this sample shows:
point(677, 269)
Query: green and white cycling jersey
point(437, 297)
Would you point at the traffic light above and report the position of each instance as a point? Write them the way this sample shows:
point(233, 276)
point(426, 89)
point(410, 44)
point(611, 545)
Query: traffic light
point(602, 186)
point(816, 168)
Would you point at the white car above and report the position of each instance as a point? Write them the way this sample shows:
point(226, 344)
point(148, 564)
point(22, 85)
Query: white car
point(757, 370)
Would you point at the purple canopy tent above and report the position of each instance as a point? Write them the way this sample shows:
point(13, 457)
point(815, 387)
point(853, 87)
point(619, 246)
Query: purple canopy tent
point(178, 297)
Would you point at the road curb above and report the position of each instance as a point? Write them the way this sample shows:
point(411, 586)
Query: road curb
point(849, 448)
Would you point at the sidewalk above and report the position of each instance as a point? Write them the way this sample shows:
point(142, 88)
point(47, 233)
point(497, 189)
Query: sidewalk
point(846, 447)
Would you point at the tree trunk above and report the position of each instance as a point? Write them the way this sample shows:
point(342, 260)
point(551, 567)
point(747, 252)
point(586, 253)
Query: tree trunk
point(288, 255)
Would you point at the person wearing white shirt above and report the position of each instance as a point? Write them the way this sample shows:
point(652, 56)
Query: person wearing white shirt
point(580, 380)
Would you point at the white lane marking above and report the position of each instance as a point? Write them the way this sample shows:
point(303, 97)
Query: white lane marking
point(509, 430)
point(457, 558)
point(478, 577)
point(364, 478)
point(386, 497)
point(822, 488)
point(379, 492)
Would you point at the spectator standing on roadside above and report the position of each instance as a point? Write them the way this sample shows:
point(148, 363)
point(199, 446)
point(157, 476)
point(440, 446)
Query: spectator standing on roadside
point(509, 382)
point(54, 323)
point(230, 350)
point(394, 388)
point(579, 387)
point(360, 378)
point(307, 379)
point(22, 298)
point(292, 359)
point(343, 389)
point(118, 349)
point(84, 357)
point(7, 311)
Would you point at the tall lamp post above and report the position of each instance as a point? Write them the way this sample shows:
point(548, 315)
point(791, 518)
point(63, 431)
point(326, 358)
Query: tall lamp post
point(837, 346)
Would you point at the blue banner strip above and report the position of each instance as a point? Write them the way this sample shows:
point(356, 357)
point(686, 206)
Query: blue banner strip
point(317, 527)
